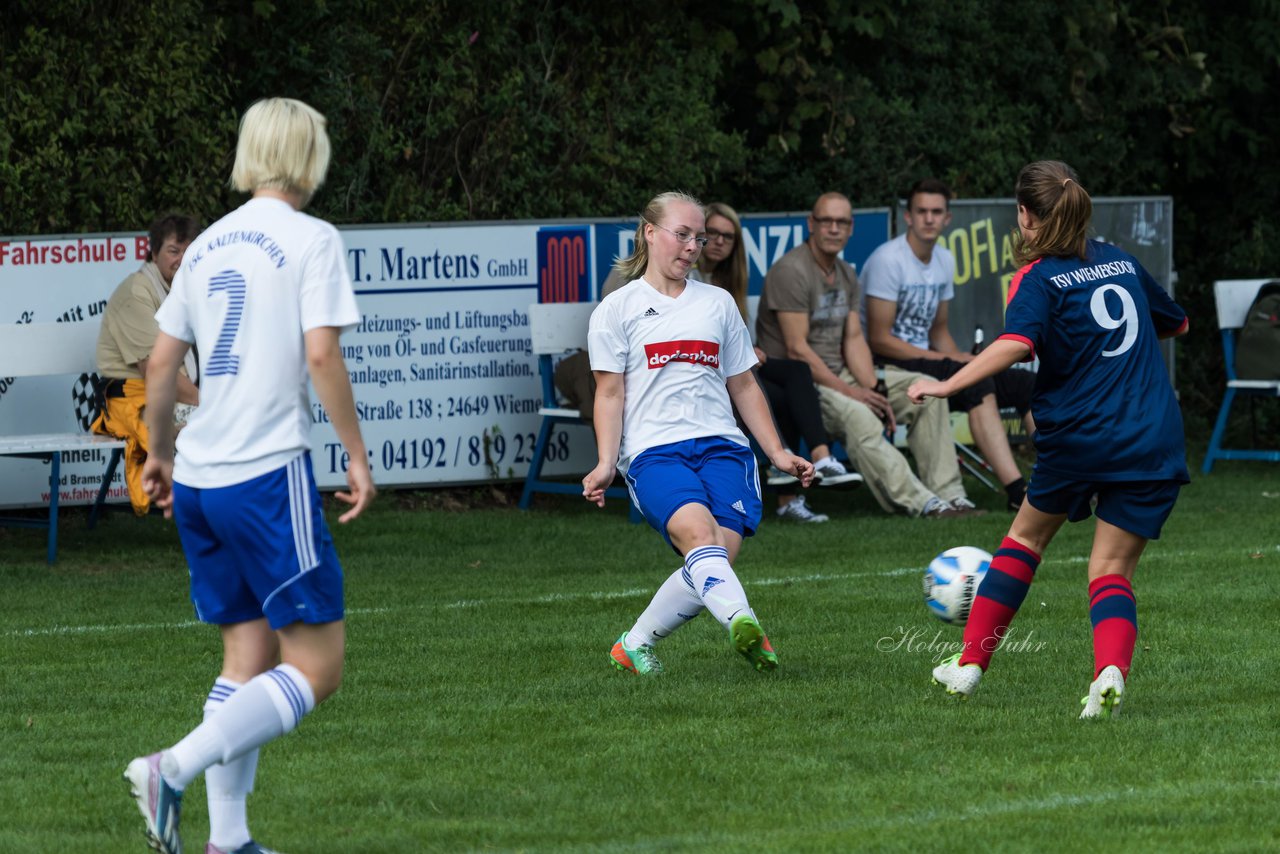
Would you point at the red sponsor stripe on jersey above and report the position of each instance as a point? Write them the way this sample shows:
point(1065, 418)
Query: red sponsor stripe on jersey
point(1017, 280)
point(694, 352)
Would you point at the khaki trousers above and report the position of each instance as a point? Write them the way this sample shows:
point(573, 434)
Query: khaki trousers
point(883, 468)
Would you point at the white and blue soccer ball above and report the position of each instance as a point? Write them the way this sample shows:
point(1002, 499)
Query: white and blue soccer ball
point(951, 581)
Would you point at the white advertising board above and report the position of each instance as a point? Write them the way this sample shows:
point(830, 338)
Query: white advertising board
point(67, 280)
point(445, 380)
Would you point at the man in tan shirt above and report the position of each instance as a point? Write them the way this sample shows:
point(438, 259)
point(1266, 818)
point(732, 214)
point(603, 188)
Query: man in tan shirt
point(127, 335)
point(809, 311)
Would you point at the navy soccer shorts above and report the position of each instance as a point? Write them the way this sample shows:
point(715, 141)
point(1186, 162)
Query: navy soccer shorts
point(1139, 507)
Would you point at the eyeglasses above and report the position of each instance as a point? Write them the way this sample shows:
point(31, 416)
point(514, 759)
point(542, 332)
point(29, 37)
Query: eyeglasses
point(726, 236)
point(828, 221)
point(684, 236)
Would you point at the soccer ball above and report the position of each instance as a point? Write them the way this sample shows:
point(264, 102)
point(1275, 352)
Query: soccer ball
point(952, 580)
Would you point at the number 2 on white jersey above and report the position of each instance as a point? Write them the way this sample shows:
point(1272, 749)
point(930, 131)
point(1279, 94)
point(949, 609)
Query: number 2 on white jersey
point(222, 362)
point(1128, 317)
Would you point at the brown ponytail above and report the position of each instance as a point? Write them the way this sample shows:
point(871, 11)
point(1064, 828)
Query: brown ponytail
point(1051, 190)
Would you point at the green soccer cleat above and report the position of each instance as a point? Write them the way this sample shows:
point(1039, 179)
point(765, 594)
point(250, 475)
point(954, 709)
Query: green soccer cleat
point(1105, 695)
point(752, 643)
point(961, 681)
point(640, 660)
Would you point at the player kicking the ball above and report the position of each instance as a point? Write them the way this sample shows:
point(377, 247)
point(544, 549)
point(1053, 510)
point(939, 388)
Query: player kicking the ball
point(1107, 424)
point(264, 294)
point(668, 353)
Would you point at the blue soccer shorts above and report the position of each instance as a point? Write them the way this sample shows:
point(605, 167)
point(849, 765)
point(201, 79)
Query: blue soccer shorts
point(1139, 507)
point(260, 548)
point(712, 471)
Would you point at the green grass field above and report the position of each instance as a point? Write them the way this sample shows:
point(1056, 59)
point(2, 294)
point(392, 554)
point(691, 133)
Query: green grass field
point(480, 711)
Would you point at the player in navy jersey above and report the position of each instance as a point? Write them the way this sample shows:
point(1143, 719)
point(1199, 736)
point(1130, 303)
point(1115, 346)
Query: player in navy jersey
point(668, 353)
point(1108, 426)
point(264, 294)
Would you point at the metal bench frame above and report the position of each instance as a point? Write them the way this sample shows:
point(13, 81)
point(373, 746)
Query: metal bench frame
point(53, 349)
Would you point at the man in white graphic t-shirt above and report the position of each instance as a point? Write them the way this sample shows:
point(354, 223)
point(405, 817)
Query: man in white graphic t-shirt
point(908, 288)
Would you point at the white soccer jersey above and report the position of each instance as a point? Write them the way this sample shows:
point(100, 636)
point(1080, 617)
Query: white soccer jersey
point(675, 355)
point(247, 290)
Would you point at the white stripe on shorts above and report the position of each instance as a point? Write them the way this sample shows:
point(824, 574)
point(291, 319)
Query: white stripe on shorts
point(304, 542)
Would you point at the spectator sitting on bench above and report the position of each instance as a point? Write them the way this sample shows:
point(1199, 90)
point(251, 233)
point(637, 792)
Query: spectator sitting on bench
point(908, 288)
point(809, 311)
point(787, 383)
point(125, 340)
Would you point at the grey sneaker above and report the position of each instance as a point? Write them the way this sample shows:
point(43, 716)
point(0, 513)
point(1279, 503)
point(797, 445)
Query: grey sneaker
point(797, 510)
point(249, 847)
point(778, 477)
point(831, 472)
point(936, 508)
point(966, 507)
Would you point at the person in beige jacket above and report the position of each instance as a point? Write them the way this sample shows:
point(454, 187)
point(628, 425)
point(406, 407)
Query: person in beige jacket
point(124, 348)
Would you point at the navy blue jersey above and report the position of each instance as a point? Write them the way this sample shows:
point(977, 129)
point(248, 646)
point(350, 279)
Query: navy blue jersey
point(1104, 407)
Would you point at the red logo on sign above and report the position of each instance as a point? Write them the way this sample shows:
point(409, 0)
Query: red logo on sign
point(694, 352)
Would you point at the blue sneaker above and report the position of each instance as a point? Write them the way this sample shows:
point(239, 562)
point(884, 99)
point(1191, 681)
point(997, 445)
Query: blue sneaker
point(249, 847)
point(159, 803)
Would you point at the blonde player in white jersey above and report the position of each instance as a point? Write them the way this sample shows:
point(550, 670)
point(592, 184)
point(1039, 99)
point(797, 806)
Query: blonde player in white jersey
point(668, 354)
point(264, 294)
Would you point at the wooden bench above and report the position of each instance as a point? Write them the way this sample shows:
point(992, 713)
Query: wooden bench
point(54, 349)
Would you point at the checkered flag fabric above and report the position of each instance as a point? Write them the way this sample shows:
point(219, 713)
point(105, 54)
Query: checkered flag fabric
point(84, 400)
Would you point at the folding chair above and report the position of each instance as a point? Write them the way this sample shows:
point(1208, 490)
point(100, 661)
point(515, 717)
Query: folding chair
point(556, 328)
point(967, 458)
point(1233, 298)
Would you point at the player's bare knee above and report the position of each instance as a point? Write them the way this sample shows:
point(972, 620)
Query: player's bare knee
point(327, 685)
point(324, 677)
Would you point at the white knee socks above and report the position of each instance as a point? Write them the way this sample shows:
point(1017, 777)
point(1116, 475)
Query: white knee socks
point(708, 574)
point(266, 707)
point(672, 606)
point(228, 784)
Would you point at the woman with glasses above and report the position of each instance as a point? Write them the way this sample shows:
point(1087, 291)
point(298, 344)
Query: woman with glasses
point(787, 383)
point(672, 358)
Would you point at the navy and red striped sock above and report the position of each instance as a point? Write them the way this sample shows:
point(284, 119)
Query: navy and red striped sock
point(999, 596)
point(1113, 610)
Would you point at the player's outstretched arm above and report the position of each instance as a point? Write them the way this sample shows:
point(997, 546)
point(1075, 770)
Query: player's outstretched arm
point(607, 415)
point(333, 387)
point(745, 391)
point(1000, 355)
point(162, 389)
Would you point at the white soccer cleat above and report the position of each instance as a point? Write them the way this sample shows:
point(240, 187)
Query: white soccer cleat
point(1105, 695)
point(159, 803)
point(962, 681)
